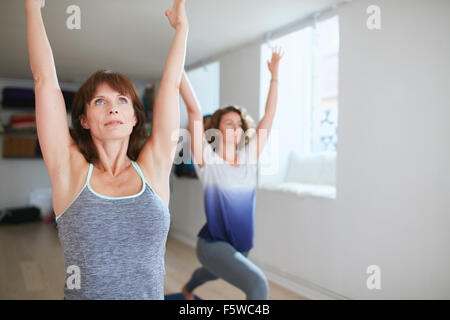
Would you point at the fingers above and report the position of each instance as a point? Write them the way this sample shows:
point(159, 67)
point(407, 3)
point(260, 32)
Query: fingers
point(35, 4)
point(280, 52)
point(177, 15)
point(177, 5)
point(277, 52)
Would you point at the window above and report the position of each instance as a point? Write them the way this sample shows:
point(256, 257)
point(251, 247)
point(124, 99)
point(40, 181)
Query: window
point(325, 86)
point(290, 130)
point(304, 133)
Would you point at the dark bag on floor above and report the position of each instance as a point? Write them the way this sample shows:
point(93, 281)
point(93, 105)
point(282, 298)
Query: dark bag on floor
point(20, 215)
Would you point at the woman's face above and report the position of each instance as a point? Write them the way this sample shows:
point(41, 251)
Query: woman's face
point(109, 115)
point(231, 127)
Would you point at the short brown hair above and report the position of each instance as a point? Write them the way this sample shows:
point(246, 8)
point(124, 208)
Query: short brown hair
point(214, 121)
point(85, 94)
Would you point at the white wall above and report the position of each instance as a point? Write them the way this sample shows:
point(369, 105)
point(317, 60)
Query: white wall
point(393, 160)
point(206, 83)
point(393, 165)
point(239, 79)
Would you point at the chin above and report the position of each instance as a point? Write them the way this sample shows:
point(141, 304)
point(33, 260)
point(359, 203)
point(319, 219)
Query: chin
point(118, 135)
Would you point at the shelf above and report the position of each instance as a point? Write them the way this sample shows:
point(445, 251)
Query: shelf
point(21, 158)
point(20, 134)
point(8, 131)
point(18, 108)
point(27, 109)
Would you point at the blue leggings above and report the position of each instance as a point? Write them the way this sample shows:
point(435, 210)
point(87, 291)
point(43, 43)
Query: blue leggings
point(221, 260)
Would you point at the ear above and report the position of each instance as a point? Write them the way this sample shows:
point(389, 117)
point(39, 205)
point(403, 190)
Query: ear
point(135, 121)
point(83, 122)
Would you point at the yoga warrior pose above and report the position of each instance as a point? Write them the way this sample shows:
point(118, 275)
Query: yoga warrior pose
point(110, 186)
point(228, 176)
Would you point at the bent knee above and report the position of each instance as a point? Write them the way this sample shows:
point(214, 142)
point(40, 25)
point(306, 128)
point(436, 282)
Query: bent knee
point(259, 288)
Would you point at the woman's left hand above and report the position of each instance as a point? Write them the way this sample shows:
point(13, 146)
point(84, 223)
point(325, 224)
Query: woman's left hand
point(177, 15)
point(277, 54)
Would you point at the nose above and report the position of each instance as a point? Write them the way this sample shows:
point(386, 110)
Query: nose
point(114, 110)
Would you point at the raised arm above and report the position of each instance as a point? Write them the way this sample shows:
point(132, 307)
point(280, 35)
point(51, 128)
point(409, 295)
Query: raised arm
point(51, 116)
point(195, 117)
point(158, 152)
point(265, 124)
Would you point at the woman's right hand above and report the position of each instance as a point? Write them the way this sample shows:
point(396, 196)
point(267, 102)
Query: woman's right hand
point(35, 3)
point(177, 15)
point(273, 64)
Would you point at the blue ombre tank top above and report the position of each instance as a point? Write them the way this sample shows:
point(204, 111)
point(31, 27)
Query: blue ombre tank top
point(229, 196)
point(116, 244)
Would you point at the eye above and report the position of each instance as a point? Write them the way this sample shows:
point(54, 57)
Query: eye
point(99, 101)
point(123, 100)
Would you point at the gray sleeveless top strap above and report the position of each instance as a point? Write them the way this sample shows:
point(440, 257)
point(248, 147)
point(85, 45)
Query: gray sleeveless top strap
point(114, 247)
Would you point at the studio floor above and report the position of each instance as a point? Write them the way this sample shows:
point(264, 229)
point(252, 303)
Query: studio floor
point(32, 267)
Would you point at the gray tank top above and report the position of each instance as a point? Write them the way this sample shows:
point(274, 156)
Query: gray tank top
point(115, 246)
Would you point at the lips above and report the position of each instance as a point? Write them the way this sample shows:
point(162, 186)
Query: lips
point(113, 122)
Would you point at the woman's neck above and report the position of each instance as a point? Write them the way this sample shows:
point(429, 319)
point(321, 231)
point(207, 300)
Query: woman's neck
point(228, 152)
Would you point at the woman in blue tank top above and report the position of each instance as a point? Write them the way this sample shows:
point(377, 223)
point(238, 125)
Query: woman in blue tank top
point(228, 175)
point(110, 183)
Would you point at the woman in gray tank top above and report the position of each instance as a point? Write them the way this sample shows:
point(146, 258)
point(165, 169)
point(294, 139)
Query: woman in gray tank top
point(110, 184)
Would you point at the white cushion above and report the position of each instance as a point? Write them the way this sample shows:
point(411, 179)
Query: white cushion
point(328, 176)
point(313, 169)
point(303, 190)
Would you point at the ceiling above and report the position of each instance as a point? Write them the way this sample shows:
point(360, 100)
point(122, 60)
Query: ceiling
point(134, 36)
